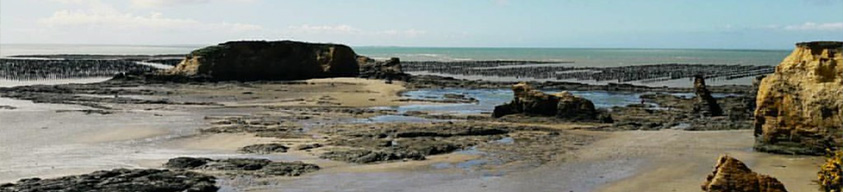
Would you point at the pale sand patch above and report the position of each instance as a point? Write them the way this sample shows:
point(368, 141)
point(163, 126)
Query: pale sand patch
point(362, 92)
point(122, 134)
point(347, 92)
point(680, 160)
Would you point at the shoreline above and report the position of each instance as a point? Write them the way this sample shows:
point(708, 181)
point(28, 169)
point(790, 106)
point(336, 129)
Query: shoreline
point(331, 100)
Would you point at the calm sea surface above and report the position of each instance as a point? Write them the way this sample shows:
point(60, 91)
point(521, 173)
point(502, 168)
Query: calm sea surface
point(581, 57)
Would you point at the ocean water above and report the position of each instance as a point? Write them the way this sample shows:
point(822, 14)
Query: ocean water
point(581, 57)
point(7, 50)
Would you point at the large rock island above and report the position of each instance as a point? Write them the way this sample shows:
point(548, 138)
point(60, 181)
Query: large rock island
point(269, 60)
point(800, 105)
point(562, 105)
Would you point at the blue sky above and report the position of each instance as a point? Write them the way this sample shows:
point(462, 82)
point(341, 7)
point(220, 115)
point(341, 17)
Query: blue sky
point(719, 24)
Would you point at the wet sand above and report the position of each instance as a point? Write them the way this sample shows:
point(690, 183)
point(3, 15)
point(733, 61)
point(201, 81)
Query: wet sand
point(668, 160)
point(679, 160)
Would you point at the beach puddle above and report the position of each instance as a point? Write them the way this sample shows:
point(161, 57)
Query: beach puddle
point(394, 119)
point(487, 99)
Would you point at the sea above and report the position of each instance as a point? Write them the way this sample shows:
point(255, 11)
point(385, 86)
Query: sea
point(579, 57)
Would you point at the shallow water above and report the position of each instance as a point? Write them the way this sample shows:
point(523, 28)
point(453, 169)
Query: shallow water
point(489, 98)
point(13, 83)
point(37, 141)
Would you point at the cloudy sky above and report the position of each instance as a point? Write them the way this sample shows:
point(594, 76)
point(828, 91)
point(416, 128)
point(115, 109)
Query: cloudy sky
point(751, 24)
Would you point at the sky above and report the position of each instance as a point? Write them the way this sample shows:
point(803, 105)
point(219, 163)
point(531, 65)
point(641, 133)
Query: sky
point(714, 24)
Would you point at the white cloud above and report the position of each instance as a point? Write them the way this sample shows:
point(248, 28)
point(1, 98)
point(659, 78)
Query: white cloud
point(105, 17)
point(406, 33)
point(169, 3)
point(349, 30)
point(323, 29)
point(810, 26)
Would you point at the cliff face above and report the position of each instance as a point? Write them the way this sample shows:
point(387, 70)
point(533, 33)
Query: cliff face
point(799, 107)
point(274, 60)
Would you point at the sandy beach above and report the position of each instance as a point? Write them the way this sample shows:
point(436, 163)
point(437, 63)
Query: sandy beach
point(146, 135)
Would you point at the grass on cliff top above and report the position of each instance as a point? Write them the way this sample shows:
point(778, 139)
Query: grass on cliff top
point(208, 51)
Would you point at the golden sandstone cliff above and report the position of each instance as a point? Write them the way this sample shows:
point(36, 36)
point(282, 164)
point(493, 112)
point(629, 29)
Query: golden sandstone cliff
point(731, 174)
point(799, 107)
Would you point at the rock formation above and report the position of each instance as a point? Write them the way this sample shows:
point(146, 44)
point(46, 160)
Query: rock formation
point(258, 167)
point(273, 60)
point(706, 105)
point(731, 174)
point(563, 105)
point(389, 69)
point(800, 106)
point(120, 180)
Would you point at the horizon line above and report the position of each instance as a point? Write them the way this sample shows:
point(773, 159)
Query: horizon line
point(401, 46)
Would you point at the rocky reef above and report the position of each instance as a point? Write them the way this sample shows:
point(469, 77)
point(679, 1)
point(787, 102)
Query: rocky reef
point(242, 166)
point(731, 174)
point(800, 106)
point(268, 60)
point(563, 105)
point(266, 148)
point(120, 180)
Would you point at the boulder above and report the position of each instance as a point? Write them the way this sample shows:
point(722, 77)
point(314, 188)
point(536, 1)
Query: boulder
point(731, 174)
point(562, 105)
point(800, 107)
point(268, 60)
point(389, 69)
point(574, 108)
point(705, 105)
point(266, 148)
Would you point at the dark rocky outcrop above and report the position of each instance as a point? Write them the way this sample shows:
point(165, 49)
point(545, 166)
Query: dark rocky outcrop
point(800, 106)
point(259, 167)
point(305, 147)
point(269, 60)
point(265, 148)
point(731, 174)
point(562, 105)
point(120, 180)
point(706, 105)
point(389, 69)
point(558, 70)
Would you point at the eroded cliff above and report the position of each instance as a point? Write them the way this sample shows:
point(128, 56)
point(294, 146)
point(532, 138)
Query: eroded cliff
point(799, 107)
